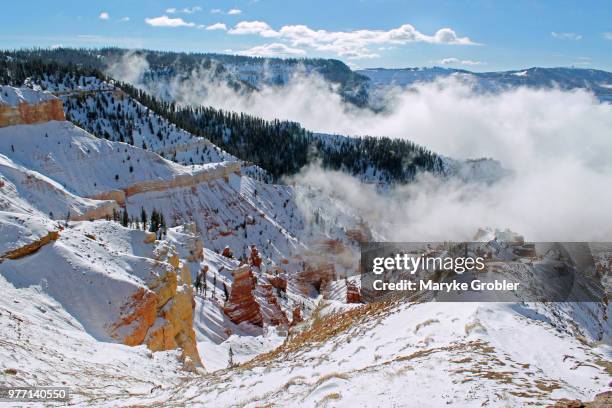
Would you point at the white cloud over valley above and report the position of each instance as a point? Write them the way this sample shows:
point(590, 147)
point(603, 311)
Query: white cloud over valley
point(555, 144)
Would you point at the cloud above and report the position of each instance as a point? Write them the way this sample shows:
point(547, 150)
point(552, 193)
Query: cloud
point(234, 11)
point(217, 26)
point(104, 16)
point(607, 36)
point(129, 68)
point(350, 44)
point(186, 10)
point(566, 36)
point(273, 50)
point(216, 11)
point(165, 21)
point(124, 19)
point(254, 27)
point(457, 61)
point(555, 143)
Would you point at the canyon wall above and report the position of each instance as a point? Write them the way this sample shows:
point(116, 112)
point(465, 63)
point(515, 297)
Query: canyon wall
point(26, 113)
point(161, 315)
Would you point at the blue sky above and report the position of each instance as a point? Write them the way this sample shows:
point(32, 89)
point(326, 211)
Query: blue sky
point(478, 35)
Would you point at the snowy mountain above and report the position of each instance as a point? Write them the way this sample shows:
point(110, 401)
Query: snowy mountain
point(596, 81)
point(103, 236)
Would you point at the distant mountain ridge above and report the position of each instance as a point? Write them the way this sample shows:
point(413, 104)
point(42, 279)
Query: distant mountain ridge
point(597, 81)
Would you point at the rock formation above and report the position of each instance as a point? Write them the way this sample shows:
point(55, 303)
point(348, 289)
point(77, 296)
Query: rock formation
point(24, 106)
point(254, 257)
point(296, 316)
point(241, 305)
point(32, 247)
point(161, 315)
point(352, 293)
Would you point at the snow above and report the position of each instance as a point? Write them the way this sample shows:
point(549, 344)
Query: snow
point(46, 346)
point(13, 97)
point(58, 302)
point(86, 165)
point(91, 279)
point(18, 230)
point(31, 192)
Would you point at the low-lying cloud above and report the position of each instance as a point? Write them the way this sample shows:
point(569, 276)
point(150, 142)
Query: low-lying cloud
point(556, 144)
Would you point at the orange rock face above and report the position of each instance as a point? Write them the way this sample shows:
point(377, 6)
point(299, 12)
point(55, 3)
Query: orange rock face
point(241, 305)
point(254, 257)
point(31, 248)
point(316, 276)
point(138, 315)
point(296, 316)
point(161, 315)
point(25, 114)
point(352, 293)
point(278, 282)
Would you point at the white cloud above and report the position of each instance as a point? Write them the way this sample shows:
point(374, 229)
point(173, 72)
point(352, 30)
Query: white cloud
point(186, 10)
point(124, 19)
point(457, 61)
point(350, 44)
point(234, 11)
point(165, 21)
point(566, 36)
point(607, 36)
point(104, 16)
point(273, 50)
point(216, 11)
point(217, 26)
point(556, 144)
point(254, 27)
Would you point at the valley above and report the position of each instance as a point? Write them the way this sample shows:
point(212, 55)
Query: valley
point(116, 199)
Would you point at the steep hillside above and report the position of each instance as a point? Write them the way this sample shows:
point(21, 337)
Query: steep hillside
point(110, 306)
point(182, 133)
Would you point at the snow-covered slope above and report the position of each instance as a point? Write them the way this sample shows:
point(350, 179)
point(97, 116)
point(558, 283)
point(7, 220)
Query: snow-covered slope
point(426, 355)
point(74, 290)
point(14, 96)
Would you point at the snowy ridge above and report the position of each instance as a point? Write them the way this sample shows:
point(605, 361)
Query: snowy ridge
point(13, 97)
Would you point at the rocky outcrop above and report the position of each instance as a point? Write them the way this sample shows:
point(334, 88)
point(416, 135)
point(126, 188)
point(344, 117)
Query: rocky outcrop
point(254, 257)
point(221, 170)
point(241, 305)
point(25, 113)
point(161, 315)
point(185, 180)
point(115, 195)
point(316, 276)
point(104, 210)
point(278, 282)
point(353, 294)
point(32, 247)
point(296, 316)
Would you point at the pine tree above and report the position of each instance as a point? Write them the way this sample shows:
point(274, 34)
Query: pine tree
point(143, 218)
point(231, 357)
point(125, 218)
